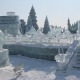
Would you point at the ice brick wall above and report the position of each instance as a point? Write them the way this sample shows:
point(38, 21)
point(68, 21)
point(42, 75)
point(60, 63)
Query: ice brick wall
point(33, 51)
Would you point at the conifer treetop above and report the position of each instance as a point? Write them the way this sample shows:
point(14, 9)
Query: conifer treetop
point(46, 18)
point(32, 11)
point(33, 18)
point(46, 22)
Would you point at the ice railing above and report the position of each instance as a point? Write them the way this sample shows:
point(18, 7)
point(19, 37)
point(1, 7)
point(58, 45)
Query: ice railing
point(54, 37)
point(40, 39)
point(64, 59)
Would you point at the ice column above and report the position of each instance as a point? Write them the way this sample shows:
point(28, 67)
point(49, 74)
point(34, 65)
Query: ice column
point(79, 28)
point(4, 56)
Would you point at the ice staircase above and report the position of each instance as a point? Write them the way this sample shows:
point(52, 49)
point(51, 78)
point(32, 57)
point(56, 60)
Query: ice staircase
point(75, 62)
point(70, 59)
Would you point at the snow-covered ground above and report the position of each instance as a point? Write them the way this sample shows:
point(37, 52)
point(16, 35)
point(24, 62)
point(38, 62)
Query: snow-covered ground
point(36, 69)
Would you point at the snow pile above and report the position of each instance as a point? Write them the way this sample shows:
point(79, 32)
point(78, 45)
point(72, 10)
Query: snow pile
point(36, 69)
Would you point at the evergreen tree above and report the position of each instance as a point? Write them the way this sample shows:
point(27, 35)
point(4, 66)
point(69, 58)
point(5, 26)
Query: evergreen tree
point(46, 28)
point(69, 25)
point(33, 17)
point(76, 25)
point(22, 26)
point(72, 28)
point(29, 23)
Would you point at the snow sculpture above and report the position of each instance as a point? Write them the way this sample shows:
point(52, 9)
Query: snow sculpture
point(4, 58)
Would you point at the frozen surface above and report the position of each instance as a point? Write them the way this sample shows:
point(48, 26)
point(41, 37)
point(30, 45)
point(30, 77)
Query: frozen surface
point(36, 69)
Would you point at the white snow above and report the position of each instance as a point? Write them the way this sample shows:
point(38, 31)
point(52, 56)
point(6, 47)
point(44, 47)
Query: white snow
point(36, 69)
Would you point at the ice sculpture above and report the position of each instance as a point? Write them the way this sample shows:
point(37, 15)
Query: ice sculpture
point(64, 59)
point(32, 31)
point(78, 27)
point(61, 61)
point(18, 36)
point(1, 39)
point(4, 56)
point(53, 37)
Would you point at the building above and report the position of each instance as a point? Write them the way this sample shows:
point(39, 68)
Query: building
point(9, 23)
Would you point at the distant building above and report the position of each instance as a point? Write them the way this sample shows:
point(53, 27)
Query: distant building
point(10, 23)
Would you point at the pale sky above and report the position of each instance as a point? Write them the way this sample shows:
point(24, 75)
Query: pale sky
point(57, 11)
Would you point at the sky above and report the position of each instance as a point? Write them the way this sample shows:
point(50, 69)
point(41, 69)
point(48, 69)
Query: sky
point(57, 11)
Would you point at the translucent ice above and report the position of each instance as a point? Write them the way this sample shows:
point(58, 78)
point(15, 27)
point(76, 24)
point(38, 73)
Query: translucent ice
point(1, 39)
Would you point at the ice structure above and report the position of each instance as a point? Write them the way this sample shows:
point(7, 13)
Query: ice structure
point(32, 31)
point(4, 56)
point(64, 59)
point(54, 37)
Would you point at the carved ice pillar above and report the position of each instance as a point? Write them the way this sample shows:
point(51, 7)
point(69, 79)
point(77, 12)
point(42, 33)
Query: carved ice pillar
point(79, 29)
point(4, 56)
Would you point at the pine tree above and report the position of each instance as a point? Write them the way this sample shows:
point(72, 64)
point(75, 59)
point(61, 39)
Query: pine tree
point(72, 28)
point(33, 17)
point(22, 26)
point(46, 28)
point(29, 23)
point(69, 25)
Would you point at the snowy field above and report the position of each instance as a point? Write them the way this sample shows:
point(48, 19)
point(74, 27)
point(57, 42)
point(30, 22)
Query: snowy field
point(36, 69)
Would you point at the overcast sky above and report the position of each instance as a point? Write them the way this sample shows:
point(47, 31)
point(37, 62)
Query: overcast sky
point(57, 11)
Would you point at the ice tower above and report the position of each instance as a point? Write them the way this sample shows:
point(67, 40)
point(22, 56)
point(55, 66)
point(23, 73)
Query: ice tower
point(10, 23)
